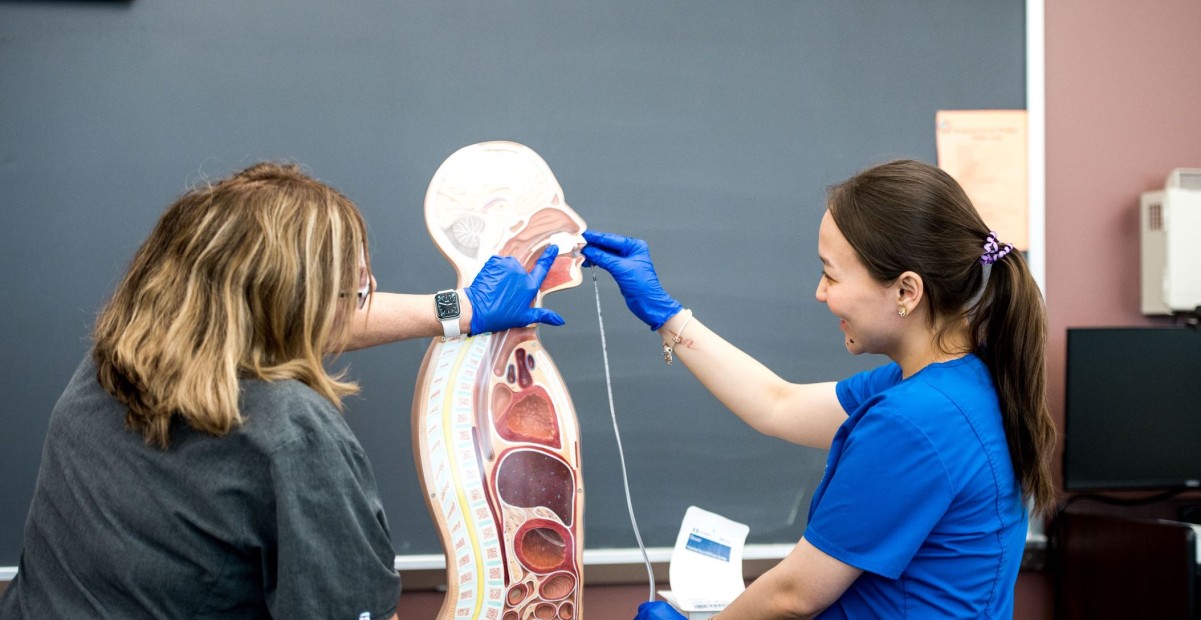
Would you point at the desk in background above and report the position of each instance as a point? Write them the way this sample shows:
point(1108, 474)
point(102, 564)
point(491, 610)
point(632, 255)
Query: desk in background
point(1121, 567)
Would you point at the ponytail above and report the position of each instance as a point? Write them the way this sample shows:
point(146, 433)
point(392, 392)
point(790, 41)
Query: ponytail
point(1009, 328)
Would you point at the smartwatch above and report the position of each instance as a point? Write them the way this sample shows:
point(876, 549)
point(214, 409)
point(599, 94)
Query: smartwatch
point(446, 304)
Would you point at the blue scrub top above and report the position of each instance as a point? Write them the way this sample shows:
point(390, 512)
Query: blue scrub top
point(920, 493)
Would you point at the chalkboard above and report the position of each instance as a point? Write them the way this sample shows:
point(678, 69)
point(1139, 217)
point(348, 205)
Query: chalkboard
point(710, 128)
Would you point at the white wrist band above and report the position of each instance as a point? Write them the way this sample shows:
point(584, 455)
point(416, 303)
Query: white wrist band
point(676, 338)
point(448, 306)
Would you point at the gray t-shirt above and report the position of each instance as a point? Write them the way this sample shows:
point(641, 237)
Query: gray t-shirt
point(279, 518)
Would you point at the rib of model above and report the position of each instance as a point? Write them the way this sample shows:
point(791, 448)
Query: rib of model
point(495, 433)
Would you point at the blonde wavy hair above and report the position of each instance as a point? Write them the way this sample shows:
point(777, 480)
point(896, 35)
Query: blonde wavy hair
point(250, 277)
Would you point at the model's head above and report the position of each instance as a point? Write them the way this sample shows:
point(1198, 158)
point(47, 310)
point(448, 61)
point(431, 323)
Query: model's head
point(502, 198)
point(253, 276)
point(906, 215)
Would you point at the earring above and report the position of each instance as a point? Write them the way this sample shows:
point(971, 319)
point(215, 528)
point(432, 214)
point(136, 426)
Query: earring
point(902, 311)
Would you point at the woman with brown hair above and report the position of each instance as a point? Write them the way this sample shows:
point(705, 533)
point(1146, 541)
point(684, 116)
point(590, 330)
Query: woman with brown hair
point(921, 511)
point(197, 464)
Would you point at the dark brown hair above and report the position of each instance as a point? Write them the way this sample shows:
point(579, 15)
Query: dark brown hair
point(906, 215)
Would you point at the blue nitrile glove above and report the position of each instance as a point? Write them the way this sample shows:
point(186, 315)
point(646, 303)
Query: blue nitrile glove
point(629, 261)
point(658, 610)
point(502, 292)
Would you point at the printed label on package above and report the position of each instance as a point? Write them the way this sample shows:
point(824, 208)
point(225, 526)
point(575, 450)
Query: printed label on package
point(707, 547)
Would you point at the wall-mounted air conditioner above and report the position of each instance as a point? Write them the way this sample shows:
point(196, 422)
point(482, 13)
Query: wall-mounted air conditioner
point(1171, 244)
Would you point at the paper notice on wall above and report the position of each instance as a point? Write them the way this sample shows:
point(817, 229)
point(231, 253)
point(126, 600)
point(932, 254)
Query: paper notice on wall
point(985, 151)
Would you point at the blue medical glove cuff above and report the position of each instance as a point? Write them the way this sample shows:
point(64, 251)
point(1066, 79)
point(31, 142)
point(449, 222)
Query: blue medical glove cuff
point(658, 610)
point(654, 308)
point(479, 310)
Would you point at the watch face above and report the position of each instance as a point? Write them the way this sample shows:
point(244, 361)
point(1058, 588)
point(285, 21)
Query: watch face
point(447, 304)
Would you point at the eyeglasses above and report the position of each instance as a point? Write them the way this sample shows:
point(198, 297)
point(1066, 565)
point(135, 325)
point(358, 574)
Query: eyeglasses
point(360, 296)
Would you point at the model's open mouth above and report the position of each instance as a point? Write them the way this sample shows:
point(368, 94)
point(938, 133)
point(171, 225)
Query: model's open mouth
point(568, 244)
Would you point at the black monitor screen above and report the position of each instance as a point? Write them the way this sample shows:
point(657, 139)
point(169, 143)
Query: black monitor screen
point(1133, 415)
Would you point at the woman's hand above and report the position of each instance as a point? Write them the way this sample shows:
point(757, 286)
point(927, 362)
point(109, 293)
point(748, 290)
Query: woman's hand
point(629, 261)
point(657, 610)
point(502, 292)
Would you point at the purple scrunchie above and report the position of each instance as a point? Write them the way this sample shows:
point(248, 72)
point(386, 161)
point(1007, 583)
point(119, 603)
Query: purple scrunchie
point(994, 250)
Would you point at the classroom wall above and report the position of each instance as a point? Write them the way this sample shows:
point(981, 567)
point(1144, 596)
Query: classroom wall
point(1123, 108)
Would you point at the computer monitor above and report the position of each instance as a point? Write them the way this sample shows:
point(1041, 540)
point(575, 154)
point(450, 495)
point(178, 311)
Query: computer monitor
point(1133, 411)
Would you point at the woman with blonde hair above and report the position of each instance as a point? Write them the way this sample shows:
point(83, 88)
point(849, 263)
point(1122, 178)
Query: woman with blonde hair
point(197, 464)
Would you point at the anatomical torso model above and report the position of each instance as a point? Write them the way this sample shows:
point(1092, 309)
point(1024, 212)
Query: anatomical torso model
point(494, 431)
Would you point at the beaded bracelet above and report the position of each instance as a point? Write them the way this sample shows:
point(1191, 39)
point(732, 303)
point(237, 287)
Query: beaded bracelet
point(676, 338)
